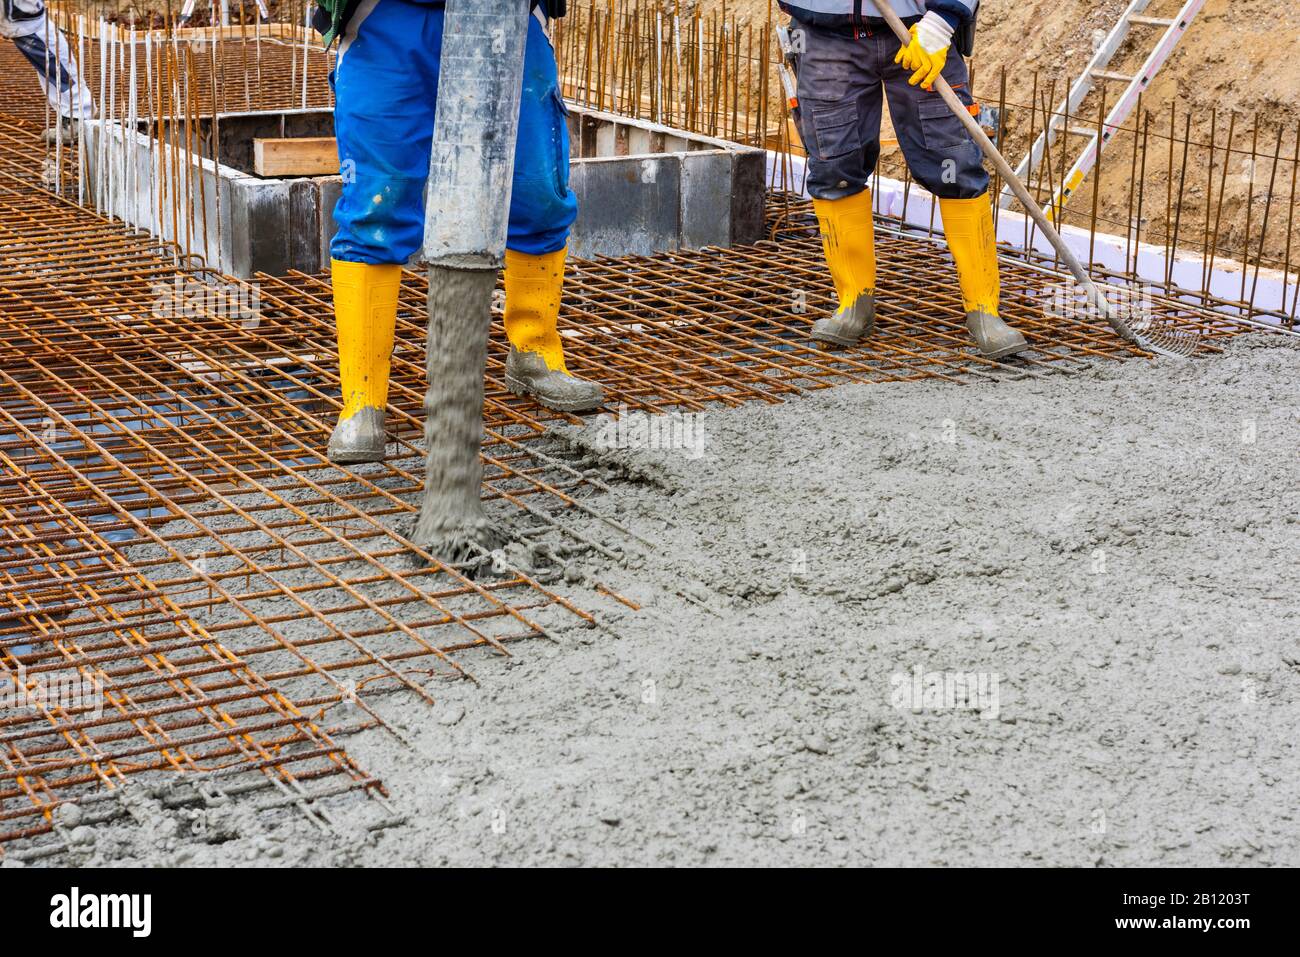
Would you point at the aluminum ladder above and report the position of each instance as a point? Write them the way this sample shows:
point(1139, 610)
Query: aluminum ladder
point(1096, 70)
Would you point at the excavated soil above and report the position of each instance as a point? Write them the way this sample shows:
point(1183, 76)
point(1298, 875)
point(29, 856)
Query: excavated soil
point(1111, 556)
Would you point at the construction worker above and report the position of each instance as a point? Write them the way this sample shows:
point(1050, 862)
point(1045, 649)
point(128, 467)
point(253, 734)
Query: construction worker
point(845, 54)
point(44, 46)
point(386, 83)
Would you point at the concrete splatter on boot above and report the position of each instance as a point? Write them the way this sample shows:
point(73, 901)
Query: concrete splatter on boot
point(528, 374)
point(359, 438)
point(994, 338)
point(846, 326)
point(64, 131)
point(365, 316)
point(968, 226)
point(536, 365)
point(848, 240)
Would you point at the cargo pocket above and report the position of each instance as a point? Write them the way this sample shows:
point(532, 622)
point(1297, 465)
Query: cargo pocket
point(835, 126)
point(560, 138)
point(940, 129)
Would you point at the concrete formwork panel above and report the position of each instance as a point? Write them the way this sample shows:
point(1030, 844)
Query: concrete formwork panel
point(626, 207)
point(642, 189)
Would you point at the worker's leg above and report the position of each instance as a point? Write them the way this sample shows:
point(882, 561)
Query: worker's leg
point(946, 160)
point(542, 208)
point(385, 83)
point(365, 317)
point(839, 123)
point(46, 48)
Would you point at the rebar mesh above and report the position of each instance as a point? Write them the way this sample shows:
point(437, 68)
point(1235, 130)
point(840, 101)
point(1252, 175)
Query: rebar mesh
point(170, 530)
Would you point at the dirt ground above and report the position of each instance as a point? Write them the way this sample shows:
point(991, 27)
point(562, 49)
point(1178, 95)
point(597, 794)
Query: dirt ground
point(1108, 556)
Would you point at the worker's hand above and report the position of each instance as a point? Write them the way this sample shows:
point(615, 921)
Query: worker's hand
point(928, 51)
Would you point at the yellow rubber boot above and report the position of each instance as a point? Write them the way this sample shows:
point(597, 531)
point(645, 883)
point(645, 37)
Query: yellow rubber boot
point(535, 365)
point(365, 314)
point(968, 225)
point(848, 239)
point(533, 288)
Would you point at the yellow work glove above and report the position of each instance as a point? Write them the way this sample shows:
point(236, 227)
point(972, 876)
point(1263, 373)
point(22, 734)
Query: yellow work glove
point(928, 51)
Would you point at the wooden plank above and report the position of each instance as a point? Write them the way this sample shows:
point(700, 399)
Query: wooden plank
point(302, 156)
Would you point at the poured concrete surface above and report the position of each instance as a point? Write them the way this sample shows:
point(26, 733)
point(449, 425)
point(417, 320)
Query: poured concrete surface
point(1119, 548)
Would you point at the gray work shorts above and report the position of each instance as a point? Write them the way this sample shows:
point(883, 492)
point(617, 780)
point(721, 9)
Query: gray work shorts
point(839, 80)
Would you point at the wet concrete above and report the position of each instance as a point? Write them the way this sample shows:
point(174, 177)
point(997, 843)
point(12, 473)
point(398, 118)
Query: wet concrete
point(452, 523)
point(1111, 556)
